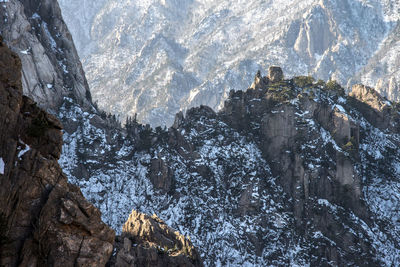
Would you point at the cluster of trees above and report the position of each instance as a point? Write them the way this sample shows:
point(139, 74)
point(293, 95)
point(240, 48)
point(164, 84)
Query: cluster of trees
point(144, 134)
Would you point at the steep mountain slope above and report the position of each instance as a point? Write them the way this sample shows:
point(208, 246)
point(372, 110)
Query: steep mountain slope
point(44, 220)
point(290, 172)
point(164, 56)
point(51, 68)
point(383, 68)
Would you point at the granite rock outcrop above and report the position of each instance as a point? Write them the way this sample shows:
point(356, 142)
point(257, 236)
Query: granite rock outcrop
point(51, 69)
point(148, 241)
point(45, 221)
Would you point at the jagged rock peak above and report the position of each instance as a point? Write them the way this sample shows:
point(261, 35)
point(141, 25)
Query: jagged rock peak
point(275, 74)
point(178, 120)
point(369, 96)
point(297, 161)
point(44, 220)
point(259, 81)
point(148, 241)
point(303, 37)
point(376, 108)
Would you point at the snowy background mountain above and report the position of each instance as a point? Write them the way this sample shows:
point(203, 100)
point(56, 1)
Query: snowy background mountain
point(155, 58)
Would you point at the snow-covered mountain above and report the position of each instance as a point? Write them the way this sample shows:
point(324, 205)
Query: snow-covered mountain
point(155, 58)
point(288, 173)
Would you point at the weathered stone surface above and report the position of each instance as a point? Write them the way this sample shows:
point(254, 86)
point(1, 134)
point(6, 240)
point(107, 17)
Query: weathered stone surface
point(275, 74)
point(148, 241)
point(51, 69)
point(259, 81)
point(374, 107)
point(279, 130)
point(45, 221)
point(307, 43)
point(283, 132)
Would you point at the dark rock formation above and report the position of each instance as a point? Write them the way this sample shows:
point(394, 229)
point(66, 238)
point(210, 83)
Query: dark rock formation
point(45, 221)
point(259, 81)
point(148, 241)
point(160, 175)
point(275, 74)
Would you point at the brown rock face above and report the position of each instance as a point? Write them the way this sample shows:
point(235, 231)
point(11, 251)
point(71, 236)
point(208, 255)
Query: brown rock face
point(44, 220)
point(148, 241)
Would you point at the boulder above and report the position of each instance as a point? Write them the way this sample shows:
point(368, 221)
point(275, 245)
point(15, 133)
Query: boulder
point(275, 74)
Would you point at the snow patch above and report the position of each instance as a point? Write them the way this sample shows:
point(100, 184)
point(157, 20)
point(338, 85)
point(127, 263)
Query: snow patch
point(2, 165)
point(25, 52)
point(26, 149)
point(340, 108)
point(342, 100)
point(35, 16)
point(52, 42)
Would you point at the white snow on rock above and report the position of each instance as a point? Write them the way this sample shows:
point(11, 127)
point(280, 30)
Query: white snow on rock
point(25, 52)
point(23, 151)
point(118, 180)
point(186, 53)
point(2, 166)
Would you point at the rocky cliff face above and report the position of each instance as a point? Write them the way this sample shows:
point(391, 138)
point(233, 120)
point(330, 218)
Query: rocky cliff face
point(51, 68)
point(290, 171)
point(45, 221)
point(181, 54)
point(148, 241)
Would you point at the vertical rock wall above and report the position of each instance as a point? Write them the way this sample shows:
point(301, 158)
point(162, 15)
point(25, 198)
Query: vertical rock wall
point(45, 221)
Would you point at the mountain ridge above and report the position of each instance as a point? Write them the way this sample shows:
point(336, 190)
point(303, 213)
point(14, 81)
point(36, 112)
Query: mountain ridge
point(309, 157)
point(292, 171)
point(44, 220)
point(185, 54)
